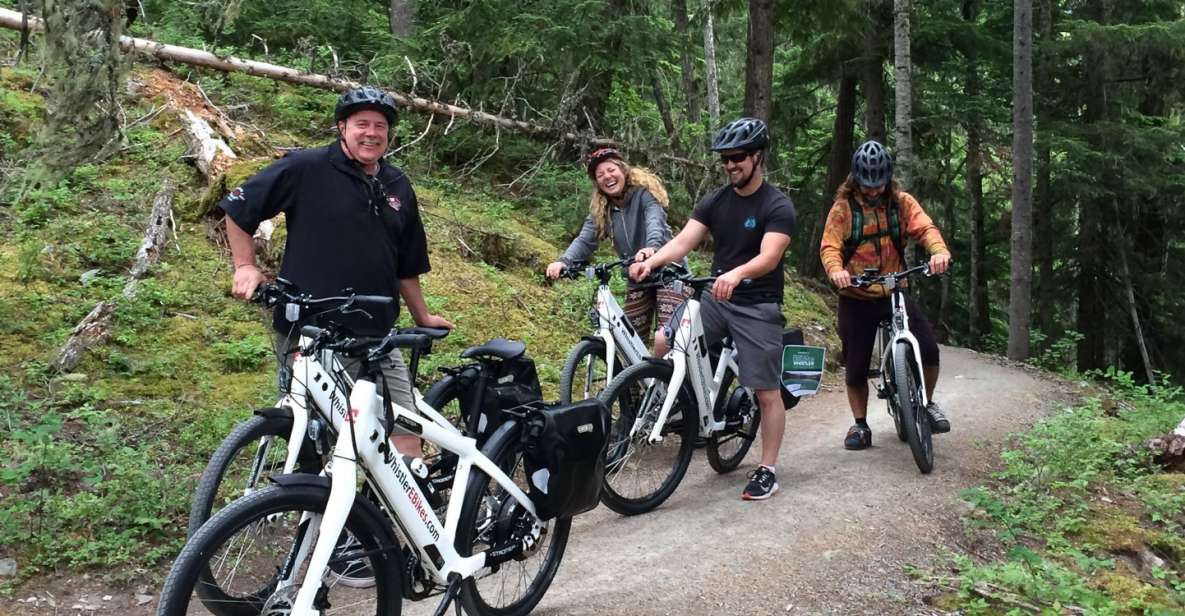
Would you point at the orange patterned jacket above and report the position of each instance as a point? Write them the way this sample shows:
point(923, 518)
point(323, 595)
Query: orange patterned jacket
point(915, 224)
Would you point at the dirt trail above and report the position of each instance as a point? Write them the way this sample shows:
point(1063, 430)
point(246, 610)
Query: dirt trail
point(834, 541)
point(837, 537)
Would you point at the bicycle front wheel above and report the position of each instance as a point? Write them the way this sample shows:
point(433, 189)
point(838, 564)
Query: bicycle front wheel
point(253, 451)
point(914, 422)
point(490, 517)
point(586, 372)
point(640, 475)
point(236, 564)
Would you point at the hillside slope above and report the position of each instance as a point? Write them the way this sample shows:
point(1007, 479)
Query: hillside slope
point(100, 462)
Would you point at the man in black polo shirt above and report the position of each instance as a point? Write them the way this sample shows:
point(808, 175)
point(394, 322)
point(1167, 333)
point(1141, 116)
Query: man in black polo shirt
point(352, 221)
point(750, 222)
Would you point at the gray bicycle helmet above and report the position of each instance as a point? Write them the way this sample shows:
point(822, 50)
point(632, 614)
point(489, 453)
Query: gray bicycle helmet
point(746, 134)
point(871, 165)
point(365, 97)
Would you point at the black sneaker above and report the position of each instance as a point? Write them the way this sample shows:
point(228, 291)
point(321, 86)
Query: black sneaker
point(859, 437)
point(939, 424)
point(762, 485)
point(352, 573)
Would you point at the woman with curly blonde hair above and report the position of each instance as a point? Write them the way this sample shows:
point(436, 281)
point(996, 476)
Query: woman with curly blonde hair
point(628, 204)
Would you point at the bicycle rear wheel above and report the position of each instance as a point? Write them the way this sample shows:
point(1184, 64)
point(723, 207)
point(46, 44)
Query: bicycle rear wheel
point(234, 564)
point(916, 424)
point(640, 475)
point(491, 517)
point(727, 448)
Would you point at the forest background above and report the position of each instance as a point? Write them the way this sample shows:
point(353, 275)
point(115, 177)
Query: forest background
point(1057, 188)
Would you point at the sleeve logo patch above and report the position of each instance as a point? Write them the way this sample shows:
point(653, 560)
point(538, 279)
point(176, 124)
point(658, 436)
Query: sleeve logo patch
point(237, 194)
point(394, 202)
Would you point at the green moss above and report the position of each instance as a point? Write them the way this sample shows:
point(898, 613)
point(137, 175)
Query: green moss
point(234, 176)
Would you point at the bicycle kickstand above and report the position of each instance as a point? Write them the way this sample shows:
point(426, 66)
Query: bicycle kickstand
point(450, 596)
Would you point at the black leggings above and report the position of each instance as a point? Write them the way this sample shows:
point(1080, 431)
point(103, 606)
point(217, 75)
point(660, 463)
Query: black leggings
point(858, 321)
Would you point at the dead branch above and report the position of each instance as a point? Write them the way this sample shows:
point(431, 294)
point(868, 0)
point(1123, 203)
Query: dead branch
point(96, 326)
point(145, 47)
point(210, 152)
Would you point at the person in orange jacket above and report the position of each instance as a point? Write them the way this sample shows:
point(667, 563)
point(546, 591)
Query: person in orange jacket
point(890, 216)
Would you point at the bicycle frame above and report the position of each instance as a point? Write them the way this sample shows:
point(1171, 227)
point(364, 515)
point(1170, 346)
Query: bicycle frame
point(327, 384)
point(614, 328)
point(898, 331)
point(362, 441)
point(690, 357)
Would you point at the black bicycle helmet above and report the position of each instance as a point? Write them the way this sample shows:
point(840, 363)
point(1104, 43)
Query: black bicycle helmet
point(871, 165)
point(601, 155)
point(746, 134)
point(365, 97)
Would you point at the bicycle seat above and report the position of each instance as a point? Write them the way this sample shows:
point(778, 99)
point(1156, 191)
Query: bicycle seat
point(499, 348)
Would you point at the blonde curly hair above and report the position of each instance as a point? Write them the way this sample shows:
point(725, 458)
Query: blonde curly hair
point(636, 177)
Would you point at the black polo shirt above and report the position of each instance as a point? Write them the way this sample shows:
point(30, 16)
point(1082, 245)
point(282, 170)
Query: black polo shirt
point(738, 224)
point(345, 229)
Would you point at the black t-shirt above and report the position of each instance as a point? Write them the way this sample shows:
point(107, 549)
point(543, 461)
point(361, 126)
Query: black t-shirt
point(738, 225)
point(345, 229)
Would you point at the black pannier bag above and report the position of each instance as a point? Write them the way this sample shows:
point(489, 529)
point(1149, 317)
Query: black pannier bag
point(564, 454)
point(515, 384)
point(791, 336)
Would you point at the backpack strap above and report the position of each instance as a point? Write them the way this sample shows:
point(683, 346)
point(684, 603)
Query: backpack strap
point(857, 237)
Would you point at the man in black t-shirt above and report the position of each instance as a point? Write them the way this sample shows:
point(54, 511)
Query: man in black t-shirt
point(352, 222)
point(751, 223)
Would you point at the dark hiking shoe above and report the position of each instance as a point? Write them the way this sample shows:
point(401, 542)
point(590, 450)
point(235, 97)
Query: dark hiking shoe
point(859, 437)
point(762, 485)
point(939, 424)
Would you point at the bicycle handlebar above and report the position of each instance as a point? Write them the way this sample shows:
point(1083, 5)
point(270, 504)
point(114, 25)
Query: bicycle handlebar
point(868, 279)
point(281, 291)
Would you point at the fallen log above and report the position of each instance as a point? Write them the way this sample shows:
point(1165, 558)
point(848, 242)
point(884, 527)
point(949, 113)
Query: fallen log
point(14, 20)
point(210, 152)
point(96, 326)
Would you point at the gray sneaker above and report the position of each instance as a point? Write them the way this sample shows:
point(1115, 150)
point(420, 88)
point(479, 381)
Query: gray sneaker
point(938, 421)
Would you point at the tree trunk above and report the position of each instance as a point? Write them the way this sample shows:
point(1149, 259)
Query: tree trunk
point(690, 89)
point(402, 14)
point(942, 327)
point(1092, 312)
point(664, 111)
point(839, 160)
point(979, 318)
point(902, 68)
point(1020, 292)
point(874, 76)
point(759, 62)
point(1121, 247)
point(713, 84)
point(1043, 203)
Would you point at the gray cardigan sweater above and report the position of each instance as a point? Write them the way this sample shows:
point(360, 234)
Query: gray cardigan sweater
point(640, 223)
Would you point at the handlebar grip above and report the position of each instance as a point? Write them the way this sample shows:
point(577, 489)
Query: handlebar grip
point(376, 300)
point(311, 331)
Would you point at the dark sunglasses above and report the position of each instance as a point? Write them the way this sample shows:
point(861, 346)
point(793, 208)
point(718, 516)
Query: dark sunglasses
point(733, 158)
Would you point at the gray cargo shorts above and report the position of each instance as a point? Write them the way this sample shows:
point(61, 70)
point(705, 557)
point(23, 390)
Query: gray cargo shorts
point(756, 332)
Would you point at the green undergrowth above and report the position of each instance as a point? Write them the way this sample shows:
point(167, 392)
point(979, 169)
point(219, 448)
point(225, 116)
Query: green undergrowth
point(1084, 519)
point(99, 463)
